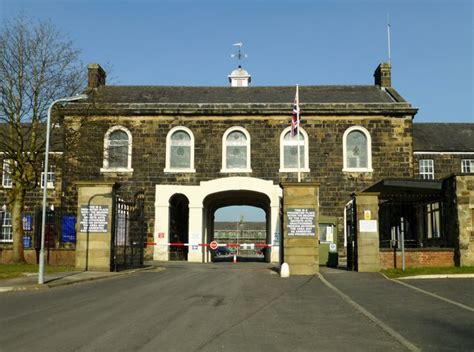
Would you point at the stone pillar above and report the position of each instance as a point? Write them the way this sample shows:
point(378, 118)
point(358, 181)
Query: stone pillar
point(300, 227)
point(161, 234)
point(94, 239)
point(465, 213)
point(368, 254)
point(195, 253)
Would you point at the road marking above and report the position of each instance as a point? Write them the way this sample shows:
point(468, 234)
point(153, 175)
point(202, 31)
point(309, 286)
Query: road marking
point(381, 324)
point(435, 295)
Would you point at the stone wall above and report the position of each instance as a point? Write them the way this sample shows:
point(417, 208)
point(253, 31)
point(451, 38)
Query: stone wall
point(417, 258)
point(465, 212)
point(391, 153)
point(444, 164)
point(52, 257)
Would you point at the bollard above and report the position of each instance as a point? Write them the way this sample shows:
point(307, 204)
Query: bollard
point(235, 259)
point(285, 270)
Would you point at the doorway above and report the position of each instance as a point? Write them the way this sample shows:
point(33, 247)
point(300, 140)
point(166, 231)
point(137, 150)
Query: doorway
point(178, 227)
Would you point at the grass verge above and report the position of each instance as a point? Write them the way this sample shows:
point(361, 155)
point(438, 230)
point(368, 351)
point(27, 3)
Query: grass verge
point(11, 271)
point(394, 273)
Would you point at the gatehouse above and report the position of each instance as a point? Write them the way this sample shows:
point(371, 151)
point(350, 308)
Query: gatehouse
point(343, 186)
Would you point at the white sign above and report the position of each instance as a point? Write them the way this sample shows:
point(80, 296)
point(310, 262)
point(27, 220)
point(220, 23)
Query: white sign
point(301, 221)
point(368, 226)
point(332, 247)
point(94, 218)
point(329, 234)
point(276, 239)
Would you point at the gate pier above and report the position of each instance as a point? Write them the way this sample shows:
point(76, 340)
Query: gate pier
point(93, 247)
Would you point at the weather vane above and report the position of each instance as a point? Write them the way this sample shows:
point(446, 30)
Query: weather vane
point(239, 54)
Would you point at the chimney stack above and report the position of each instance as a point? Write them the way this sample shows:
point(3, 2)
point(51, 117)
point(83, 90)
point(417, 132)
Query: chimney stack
point(95, 76)
point(383, 75)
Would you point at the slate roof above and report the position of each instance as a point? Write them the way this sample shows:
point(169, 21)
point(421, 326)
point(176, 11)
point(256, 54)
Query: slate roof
point(245, 95)
point(443, 137)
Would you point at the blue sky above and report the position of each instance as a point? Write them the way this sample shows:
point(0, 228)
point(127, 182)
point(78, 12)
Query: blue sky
point(306, 42)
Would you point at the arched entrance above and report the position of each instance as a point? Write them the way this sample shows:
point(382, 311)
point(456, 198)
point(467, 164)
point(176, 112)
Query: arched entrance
point(218, 200)
point(178, 227)
point(204, 199)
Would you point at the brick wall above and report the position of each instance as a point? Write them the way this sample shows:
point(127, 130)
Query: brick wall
point(417, 258)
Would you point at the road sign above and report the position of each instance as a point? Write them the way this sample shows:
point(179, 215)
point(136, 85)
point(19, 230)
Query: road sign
point(213, 245)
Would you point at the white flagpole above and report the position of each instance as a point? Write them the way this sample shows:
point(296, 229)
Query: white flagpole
point(388, 41)
point(298, 131)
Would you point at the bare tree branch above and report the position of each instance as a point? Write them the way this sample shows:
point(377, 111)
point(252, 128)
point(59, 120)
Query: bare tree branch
point(37, 65)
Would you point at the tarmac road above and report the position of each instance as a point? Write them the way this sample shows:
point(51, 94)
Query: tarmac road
point(223, 307)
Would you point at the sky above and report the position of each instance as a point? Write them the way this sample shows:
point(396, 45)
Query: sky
point(306, 42)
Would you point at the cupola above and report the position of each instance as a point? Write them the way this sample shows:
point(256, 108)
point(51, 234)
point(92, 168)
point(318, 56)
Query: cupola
point(239, 78)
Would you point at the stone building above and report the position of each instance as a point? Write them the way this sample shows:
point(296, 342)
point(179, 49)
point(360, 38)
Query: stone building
point(442, 149)
point(193, 150)
point(198, 143)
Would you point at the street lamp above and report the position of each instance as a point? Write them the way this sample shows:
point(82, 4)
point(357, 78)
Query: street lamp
point(45, 180)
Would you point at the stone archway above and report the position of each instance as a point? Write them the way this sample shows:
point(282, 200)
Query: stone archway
point(219, 200)
point(235, 188)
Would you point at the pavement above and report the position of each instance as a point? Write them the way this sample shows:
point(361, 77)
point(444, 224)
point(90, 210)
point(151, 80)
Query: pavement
point(30, 280)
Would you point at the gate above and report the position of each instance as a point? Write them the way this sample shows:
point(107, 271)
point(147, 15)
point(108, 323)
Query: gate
point(128, 232)
point(351, 231)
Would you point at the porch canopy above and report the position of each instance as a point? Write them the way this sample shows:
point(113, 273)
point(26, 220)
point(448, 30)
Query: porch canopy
point(416, 203)
point(407, 189)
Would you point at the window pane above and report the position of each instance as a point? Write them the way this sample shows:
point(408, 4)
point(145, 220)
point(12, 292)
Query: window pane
point(289, 137)
point(290, 157)
point(118, 149)
point(236, 157)
point(118, 136)
point(427, 169)
point(356, 150)
point(236, 138)
point(7, 179)
point(467, 166)
point(236, 150)
point(180, 138)
point(180, 150)
point(180, 156)
point(118, 156)
point(6, 234)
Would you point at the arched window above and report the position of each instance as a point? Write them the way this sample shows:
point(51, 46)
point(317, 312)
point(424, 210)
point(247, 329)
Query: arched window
point(180, 150)
point(236, 150)
point(289, 151)
point(357, 150)
point(117, 150)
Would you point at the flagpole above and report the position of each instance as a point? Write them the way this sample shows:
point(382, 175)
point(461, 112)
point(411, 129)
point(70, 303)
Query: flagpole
point(298, 131)
point(388, 40)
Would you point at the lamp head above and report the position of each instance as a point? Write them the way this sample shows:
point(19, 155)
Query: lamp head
point(76, 97)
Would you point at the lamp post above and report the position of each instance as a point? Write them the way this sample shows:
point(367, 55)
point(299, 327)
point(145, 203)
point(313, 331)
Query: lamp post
point(45, 180)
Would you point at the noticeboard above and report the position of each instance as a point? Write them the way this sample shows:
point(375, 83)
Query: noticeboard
point(94, 218)
point(301, 221)
point(68, 229)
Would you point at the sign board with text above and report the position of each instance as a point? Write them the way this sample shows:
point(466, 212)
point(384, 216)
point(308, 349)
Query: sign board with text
point(94, 218)
point(301, 221)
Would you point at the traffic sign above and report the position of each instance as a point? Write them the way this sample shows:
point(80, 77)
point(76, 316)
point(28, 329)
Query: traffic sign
point(213, 245)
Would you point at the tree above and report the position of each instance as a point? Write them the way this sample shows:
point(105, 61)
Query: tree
point(37, 65)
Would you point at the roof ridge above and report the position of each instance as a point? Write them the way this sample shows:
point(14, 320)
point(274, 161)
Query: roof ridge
point(250, 87)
